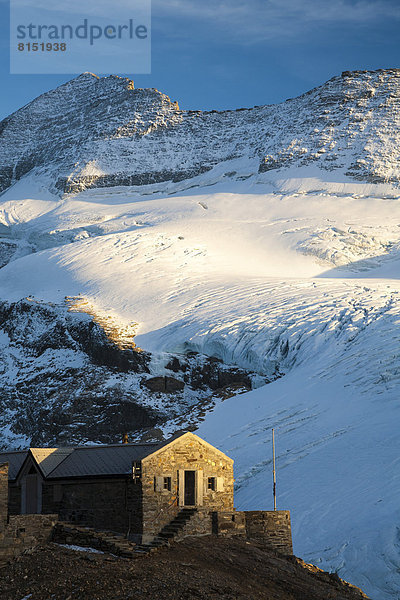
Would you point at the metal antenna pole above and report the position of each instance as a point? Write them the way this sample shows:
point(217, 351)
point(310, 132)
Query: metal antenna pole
point(274, 469)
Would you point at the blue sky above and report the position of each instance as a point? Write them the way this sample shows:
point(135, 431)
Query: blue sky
point(211, 54)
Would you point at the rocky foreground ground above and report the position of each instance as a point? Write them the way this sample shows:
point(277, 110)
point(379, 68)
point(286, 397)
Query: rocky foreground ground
point(194, 568)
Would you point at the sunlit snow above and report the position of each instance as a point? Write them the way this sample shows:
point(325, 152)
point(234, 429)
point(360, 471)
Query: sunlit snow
point(294, 269)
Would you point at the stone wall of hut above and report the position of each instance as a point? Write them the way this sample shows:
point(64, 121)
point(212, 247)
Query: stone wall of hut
point(113, 504)
point(161, 505)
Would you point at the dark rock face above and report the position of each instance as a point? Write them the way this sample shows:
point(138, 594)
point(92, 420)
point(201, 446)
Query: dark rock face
point(24, 319)
point(209, 372)
point(61, 364)
point(93, 341)
point(63, 381)
point(69, 185)
point(52, 411)
point(212, 373)
point(167, 385)
point(201, 373)
point(7, 251)
point(176, 365)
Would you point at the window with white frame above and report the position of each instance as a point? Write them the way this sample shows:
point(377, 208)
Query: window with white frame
point(212, 484)
point(163, 483)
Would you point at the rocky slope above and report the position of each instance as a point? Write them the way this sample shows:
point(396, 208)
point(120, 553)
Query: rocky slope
point(194, 568)
point(64, 379)
point(94, 132)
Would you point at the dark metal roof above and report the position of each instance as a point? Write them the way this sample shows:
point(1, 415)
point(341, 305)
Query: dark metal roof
point(49, 458)
point(85, 461)
point(81, 461)
point(14, 460)
point(101, 460)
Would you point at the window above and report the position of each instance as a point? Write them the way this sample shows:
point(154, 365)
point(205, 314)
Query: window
point(162, 483)
point(212, 484)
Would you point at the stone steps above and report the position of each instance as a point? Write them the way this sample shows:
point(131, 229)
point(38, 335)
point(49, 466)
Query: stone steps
point(66, 533)
point(151, 546)
point(168, 532)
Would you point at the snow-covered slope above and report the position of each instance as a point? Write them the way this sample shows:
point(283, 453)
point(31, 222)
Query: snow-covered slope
point(270, 277)
point(281, 259)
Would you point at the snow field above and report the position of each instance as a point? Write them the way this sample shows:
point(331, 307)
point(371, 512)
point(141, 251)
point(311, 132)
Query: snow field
point(291, 273)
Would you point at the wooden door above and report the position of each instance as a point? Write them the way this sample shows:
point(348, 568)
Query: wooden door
point(190, 488)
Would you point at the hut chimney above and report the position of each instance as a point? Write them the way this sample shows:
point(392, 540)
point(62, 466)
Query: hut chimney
point(125, 438)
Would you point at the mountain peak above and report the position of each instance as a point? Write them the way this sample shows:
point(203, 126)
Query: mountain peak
point(87, 75)
point(101, 131)
point(108, 81)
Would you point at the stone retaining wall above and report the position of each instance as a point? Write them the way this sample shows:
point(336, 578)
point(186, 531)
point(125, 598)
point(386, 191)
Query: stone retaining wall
point(271, 528)
point(199, 524)
point(66, 533)
point(20, 533)
point(229, 523)
point(23, 533)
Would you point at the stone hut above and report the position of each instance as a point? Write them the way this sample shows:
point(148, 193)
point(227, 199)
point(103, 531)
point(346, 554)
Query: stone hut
point(139, 490)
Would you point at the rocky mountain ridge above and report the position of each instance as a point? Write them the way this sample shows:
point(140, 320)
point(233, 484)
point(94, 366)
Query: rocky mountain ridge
point(101, 132)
